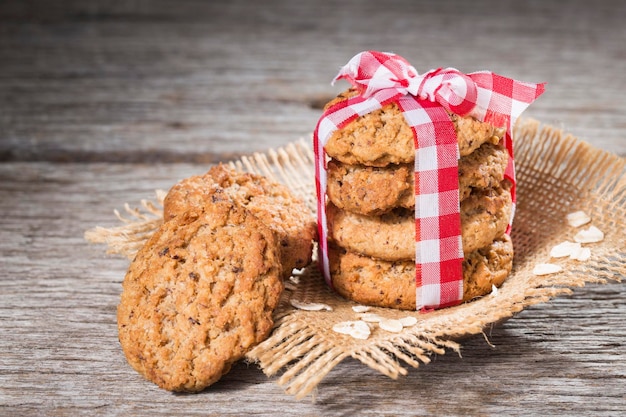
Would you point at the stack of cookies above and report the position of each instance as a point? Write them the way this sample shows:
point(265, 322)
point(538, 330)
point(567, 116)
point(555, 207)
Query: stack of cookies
point(371, 207)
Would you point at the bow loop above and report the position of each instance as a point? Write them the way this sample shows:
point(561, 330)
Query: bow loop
point(373, 71)
point(452, 89)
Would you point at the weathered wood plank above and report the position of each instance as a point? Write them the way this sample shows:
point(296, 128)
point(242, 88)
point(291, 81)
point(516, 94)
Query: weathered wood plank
point(153, 83)
point(100, 81)
point(59, 353)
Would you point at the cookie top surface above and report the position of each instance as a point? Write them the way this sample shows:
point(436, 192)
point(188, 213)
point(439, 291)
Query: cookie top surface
point(273, 203)
point(383, 136)
point(199, 295)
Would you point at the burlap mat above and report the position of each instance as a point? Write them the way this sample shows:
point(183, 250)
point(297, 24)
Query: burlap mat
point(556, 173)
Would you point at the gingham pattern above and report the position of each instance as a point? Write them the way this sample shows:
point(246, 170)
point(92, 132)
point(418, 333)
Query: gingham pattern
point(382, 78)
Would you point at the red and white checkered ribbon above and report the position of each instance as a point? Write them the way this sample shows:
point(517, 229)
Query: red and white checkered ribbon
point(382, 78)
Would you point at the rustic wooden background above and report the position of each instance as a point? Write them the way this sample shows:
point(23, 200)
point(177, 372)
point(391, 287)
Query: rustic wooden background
point(101, 102)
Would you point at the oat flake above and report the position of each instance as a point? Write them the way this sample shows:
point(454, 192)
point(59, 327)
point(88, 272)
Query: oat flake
point(546, 269)
point(300, 305)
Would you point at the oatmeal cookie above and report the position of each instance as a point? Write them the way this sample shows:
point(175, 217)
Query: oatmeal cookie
point(272, 203)
point(370, 191)
point(199, 295)
point(485, 215)
point(376, 190)
point(383, 136)
point(392, 284)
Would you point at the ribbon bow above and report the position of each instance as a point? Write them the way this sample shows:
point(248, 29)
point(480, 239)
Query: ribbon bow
point(455, 91)
point(425, 101)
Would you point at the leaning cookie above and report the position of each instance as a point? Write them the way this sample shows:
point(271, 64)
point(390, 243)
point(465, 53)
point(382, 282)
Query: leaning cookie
point(485, 214)
point(383, 137)
point(376, 190)
point(273, 203)
point(392, 284)
point(199, 295)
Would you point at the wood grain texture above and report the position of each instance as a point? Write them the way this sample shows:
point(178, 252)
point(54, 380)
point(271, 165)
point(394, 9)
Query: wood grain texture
point(150, 92)
point(60, 354)
point(187, 80)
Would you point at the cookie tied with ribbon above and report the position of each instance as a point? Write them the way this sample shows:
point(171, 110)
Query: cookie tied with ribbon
point(436, 107)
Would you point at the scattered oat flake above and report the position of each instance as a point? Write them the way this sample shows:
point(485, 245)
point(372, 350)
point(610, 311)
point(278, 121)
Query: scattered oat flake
point(590, 235)
point(361, 330)
point(494, 290)
point(300, 305)
point(357, 329)
point(360, 309)
point(546, 269)
point(582, 254)
point(160, 195)
point(391, 325)
point(578, 218)
point(344, 327)
point(370, 317)
point(564, 249)
point(408, 321)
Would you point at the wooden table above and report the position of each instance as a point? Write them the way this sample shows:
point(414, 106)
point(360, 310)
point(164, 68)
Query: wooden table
point(103, 102)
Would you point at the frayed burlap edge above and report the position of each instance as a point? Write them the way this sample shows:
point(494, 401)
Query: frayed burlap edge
point(556, 174)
